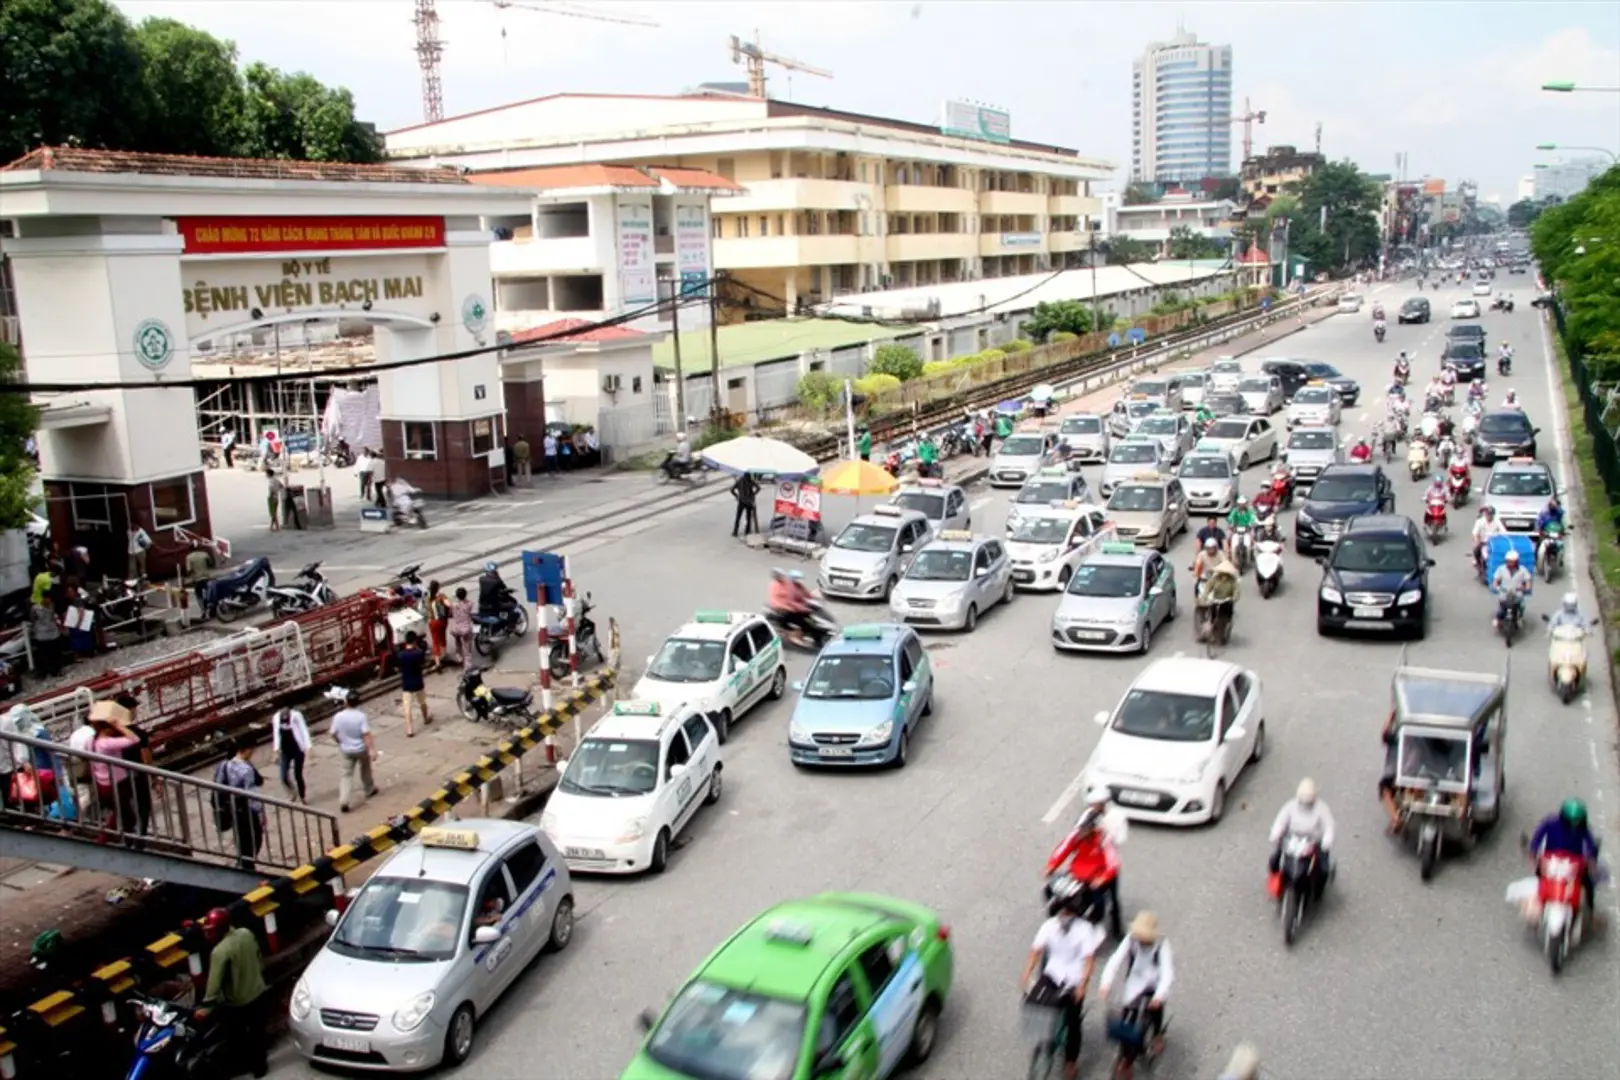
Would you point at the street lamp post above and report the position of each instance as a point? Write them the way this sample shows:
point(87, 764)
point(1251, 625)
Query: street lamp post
point(1613, 157)
point(1570, 88)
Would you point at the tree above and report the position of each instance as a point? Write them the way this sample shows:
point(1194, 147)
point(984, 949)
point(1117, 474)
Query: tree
point(898, 360)
point(819, 390)
point(1229, 188)
point(1141, 194)
point(295, 116)
point(194, 100)
point(1347, 233)
point(1069, 316)
point(1187, 244)
point(1123, 250)
point(18, 419)
point(69, 74)
point(1577, 245)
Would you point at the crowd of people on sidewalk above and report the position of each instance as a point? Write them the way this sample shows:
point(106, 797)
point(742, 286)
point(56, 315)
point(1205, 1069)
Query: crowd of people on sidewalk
point(560, 452)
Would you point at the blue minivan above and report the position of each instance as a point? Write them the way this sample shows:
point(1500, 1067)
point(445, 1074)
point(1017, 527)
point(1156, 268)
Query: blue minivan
point(869, 689)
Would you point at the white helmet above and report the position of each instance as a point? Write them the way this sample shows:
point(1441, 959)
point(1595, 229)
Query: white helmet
point(1307, 792)
point(1099, 795)
point(1210, 544)
point(1572, 602)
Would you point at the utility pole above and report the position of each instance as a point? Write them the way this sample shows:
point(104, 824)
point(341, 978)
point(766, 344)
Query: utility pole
point(714, 345)
point(1092, 245)
point(675, 336)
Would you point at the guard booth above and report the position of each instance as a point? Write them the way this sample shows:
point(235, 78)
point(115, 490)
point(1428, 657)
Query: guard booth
point(123, 264)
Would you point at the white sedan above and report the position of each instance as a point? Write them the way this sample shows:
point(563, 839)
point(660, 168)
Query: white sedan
point(1482, 288)
point(1465, 309)
point(1178, 740)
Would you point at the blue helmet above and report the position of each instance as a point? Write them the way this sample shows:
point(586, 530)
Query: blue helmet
point(490, 567)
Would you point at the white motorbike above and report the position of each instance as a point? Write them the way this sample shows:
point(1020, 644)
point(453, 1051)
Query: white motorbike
point(308, 591)
point(1268, 564)
point(1417, 459)
point(1470, 428)
point(1443, 453)
point(407, 504)
point(1242, 548)
point(1429, 427)
point(1566, 660)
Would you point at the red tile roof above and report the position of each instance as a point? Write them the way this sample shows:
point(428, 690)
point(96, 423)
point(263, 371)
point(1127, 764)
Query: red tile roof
point(555, 333)
point(1254, 257)
point(79, 160)
point(553, 177)
point(694, 178)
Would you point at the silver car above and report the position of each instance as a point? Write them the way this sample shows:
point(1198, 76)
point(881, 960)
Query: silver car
point(1126, 413)
point(1086, 436)
point(1115, 601)
point(1192, 385)
point(1020, 456)
point(1225, 375)
point(1518, 490)
point(1159, 389)
point(1173, 431)
point(1309, 451)
point(1263, 394)
point(869, 554)
point(1210, 479)
point(1129, 458)
point(1052, 484)
point(953, 580)
point(1314, 406)
point(428, 946)
point(944, 505)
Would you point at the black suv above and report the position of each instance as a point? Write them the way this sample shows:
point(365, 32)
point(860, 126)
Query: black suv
point(1340, 493)
point(1376, 578)
point(1466, 356)
point(1415, 310)
point(1343, 385)
point(1466, 331)
point(1503, 434)
point(1291, 373)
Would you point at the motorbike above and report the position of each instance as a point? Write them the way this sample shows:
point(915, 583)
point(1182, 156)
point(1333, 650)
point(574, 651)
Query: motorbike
point(1417, 459)
point(1293, 886)
point(1509, 623)
point(1448, 395)
point(1214, 619)
point(689, 472)
point(1554, 901)
point(1242, 548)
point(1445, 452)
point(406, 504)
point(1379, 331)
point(1388, 439)
point(1360, 454)
point(172, 1041)
point(1403, 373)
point(1434, 518)
point(891, 463)
point(1282, 489)
point(1470, 428)
point(1063, 885)
point(338, 455)
point(512, 621)
point(1268, 562)
point(586, 643)
point(1566, 660)
point(823, 627)
point(1503, 304)
point(1429, 426)
point(1504, 364)
point(230, 594)
point(1459, 482)
point(407, 590)
point(511, 706)
point(308, 591)
point(1550, 550)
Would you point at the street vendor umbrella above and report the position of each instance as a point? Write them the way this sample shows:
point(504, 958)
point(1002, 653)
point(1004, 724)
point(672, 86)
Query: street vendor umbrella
point(768, 457)
point(857, 478)
point(1043, 392)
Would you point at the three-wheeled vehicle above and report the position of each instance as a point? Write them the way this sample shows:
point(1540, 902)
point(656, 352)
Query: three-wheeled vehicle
point(1444, 757)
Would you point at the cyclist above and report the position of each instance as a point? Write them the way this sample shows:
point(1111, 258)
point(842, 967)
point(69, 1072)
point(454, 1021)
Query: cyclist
point(1065, 951)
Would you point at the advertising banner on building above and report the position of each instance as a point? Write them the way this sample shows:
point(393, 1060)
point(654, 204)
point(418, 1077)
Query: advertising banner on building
point(967, 120)
point(691, 244)
point(256, 235)
point(638, 280)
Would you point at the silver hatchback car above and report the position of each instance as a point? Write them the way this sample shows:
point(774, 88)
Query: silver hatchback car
point(953, 580)
point(944, 505)
point(1127, 459)
point(869, 554)
point(1020, 456)
point(1086, 435)
point(428, 945)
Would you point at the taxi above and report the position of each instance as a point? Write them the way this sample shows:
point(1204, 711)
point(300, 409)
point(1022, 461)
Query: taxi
point(954, 579)
point(1209, 476)
point(1172, 430)
point(633, 783)
point(724, 662)
point(1316, 404)
point(944, 505)
point(1020, 456)
point(1163, 390)
point(428, 945)
point(1350, 303)
point(1086, 435)
point(1518, 490)
point(866, 694)
point(1225, 375)
point(1049, 543)
point(840, 984)
point(868, 555)
point(1262, 393)
point(1247, 438)
point(1055, 483)
point(1126, 412)
point(1134, 456)
point(1149, 510)
point(1115, 601)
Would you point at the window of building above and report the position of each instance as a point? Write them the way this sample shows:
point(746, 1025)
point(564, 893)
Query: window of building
point(764, 225)
point(420, 442)
point(91, 509)
point(483, 436)
point(562, 221)
point(813, 223)
point(635, 384)
point(171, 503)
point(742, 227)
point(716, 226)
point(726, 167)
point(780, 226)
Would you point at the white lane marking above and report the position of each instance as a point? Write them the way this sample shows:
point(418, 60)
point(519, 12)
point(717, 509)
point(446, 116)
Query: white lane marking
point(1070, 793)
point(350, 569)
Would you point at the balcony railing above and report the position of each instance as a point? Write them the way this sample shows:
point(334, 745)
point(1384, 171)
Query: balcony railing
point(920, 199)
point(906, 247)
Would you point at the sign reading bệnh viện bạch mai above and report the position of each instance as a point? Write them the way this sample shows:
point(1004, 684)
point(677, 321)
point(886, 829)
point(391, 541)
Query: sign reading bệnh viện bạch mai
point(220, 294)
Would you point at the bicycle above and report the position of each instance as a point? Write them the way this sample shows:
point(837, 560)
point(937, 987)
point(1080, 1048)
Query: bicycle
point(1049, 1017)
point(1129, 1030)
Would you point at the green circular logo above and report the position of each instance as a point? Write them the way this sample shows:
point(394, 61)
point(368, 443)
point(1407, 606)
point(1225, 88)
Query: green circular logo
point(154, 345)
point(474, 314)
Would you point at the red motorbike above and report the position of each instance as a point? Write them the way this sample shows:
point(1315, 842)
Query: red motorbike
point(1086, 876)
point(1561, 899)
point(1361, 454)
point(1459, 482)
point(1282, 489)
point(1434, 518)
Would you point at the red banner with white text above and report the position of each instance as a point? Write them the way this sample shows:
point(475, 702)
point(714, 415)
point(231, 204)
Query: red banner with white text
point(254, 235)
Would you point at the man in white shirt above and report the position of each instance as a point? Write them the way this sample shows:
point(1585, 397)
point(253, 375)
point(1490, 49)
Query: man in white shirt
point(1065, 950)
point(362, 470)
point(1149, 971)
point(352, 733)
point(140, 542)
point(289, 739)
point(1305, 815)
point(549, 447)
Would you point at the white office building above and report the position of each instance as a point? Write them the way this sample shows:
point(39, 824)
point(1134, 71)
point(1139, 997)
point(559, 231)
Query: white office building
point(1181, 111)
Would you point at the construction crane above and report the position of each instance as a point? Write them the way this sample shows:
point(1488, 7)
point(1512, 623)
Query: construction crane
point(755, 58)
point(430, 46)
point(1248, 120)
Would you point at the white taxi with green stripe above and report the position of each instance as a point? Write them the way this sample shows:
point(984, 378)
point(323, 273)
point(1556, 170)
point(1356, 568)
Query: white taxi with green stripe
point(723, 662)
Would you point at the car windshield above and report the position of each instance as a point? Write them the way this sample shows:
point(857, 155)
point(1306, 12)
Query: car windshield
point(1344, 489)
point(1311, 440)
point(402, 919)
point(1135, 453)
point(1314, 395)
point(1206, 468)
point(1255, 386)
point(1118, 582)
point(1137, 497)
point(1022, 446)
point(858, 537)
point(1229, 429)
point(1153, 714)
point(1505, 424)
point(1414, 305)
point(688, 660)
point(1434, 758)
point(1139, 409)
point(866, 676)
point(1043, 492)
point(1158, 425)
point(1463, 350)
point(1040, 530)
point(612, 767)
point(1318, 370)
point(941, 565)
point(1190, 379)
point(714, 1032)
point(1467, 330)
point(1226, 367)
point(929, 506)
point(1081, 425)
point(1150, 388)
point(1521, 483)
point(1374, 555)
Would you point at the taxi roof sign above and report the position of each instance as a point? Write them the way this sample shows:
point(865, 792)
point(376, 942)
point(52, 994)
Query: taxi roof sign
point(1118, 549)
point(635, 708)
point(721, 617)
point(929, 482)
point(1521, 461)
point(455, 839)
point(1147, 477)
point(864, 632)
point(887, 511)
point(1053, 470)
point(1207, 446)
point(789, 933)
point(956, 534)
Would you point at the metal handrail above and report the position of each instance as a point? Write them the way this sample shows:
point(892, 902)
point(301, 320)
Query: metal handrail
point(167, 813)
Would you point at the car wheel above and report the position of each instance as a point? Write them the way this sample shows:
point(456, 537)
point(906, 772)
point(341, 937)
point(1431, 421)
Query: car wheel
point(1243, 462)
point(1259, 750)
point(458, 1040)
point(1217, 804)
point(722, 726)
point(1008, 593)
point(1146, 636)
point(779, 684)
point(928, 703)
point(562, 926)
point(1170, 616)
point(714, 787)
point(660, 853)
point(1273, 455)
point(924, 1034)
point(888, 586)
point(902, 752)
point(971, 619)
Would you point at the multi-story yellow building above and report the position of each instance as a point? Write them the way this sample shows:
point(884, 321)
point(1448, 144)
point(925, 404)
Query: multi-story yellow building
point(835, 202)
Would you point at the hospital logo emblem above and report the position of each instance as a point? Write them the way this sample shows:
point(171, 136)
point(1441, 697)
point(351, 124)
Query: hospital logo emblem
point(474, 314)
point(154, 345)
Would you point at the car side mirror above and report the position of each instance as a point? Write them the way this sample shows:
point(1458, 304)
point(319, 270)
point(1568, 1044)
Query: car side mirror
point(1321, 560)
point(1235, 733)
point(1157, 590)
point(1100, 718)
point(1431, 562)
point(332, 915)
point(646, 1020)
point(909, 686)
point(798, 686)
point(1546, 618)
point(981, 571)
point(486, 935)
point(677, 771)
point(650, 659)
point(1535, 431)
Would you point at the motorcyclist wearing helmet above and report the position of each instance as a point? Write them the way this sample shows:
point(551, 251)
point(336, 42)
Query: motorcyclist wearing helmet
point(1090, 854)
point(1568, 833)
point(1308, 816)
point(236, 988)
point(1551, 514)
point(790, 600)
point(1512, 401)
point(683, 446)
point(1361, 452)
point(493, 595)
point(1211, 531)
point(1241, 516)
point(1511, 584)
point(1436, 489)
point(1569, 614)
point(1203, 416)
point(1209, 557)
point(1477, 390)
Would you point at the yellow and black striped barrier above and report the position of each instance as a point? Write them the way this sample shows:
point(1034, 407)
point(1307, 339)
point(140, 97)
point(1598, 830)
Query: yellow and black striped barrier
point(163, 958)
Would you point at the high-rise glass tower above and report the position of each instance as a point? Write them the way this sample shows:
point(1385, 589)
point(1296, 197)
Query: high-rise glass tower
point(1181, 111)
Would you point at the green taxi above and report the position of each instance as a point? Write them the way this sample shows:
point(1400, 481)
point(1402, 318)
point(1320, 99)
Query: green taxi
point(840, 985)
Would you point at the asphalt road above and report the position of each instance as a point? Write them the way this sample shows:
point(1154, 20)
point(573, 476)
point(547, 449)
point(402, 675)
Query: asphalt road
point(1395, 978)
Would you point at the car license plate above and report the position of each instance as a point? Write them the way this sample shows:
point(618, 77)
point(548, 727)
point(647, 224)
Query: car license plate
point(351, 1044)
point(1367, 612)
point(844, 582)
point(1138, 798)
point(1023, 575)
point(836, 751)
point(1092, 635)
point(583, 853)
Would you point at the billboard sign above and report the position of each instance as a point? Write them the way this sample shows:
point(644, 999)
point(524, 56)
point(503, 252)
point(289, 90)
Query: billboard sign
point(968, 120)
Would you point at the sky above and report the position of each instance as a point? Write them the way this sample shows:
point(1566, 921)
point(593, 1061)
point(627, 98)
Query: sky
point(1453, 85)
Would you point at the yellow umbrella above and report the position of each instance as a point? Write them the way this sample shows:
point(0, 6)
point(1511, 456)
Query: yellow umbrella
point(857, 478)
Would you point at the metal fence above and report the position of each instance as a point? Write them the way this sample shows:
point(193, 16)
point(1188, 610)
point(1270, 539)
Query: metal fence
point(628, 426)
point(1597, 399)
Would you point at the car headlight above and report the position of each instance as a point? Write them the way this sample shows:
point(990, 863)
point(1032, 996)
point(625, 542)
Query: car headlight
point(798, 733)
point(409, 1016)
point(1303, 518)
point(634, 830)
point(1049, 556)
point(948, 603)
point(1194, 774)
point(1410, 596)
point(879, 734)
point(1332, 595)
point(301, 1002)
